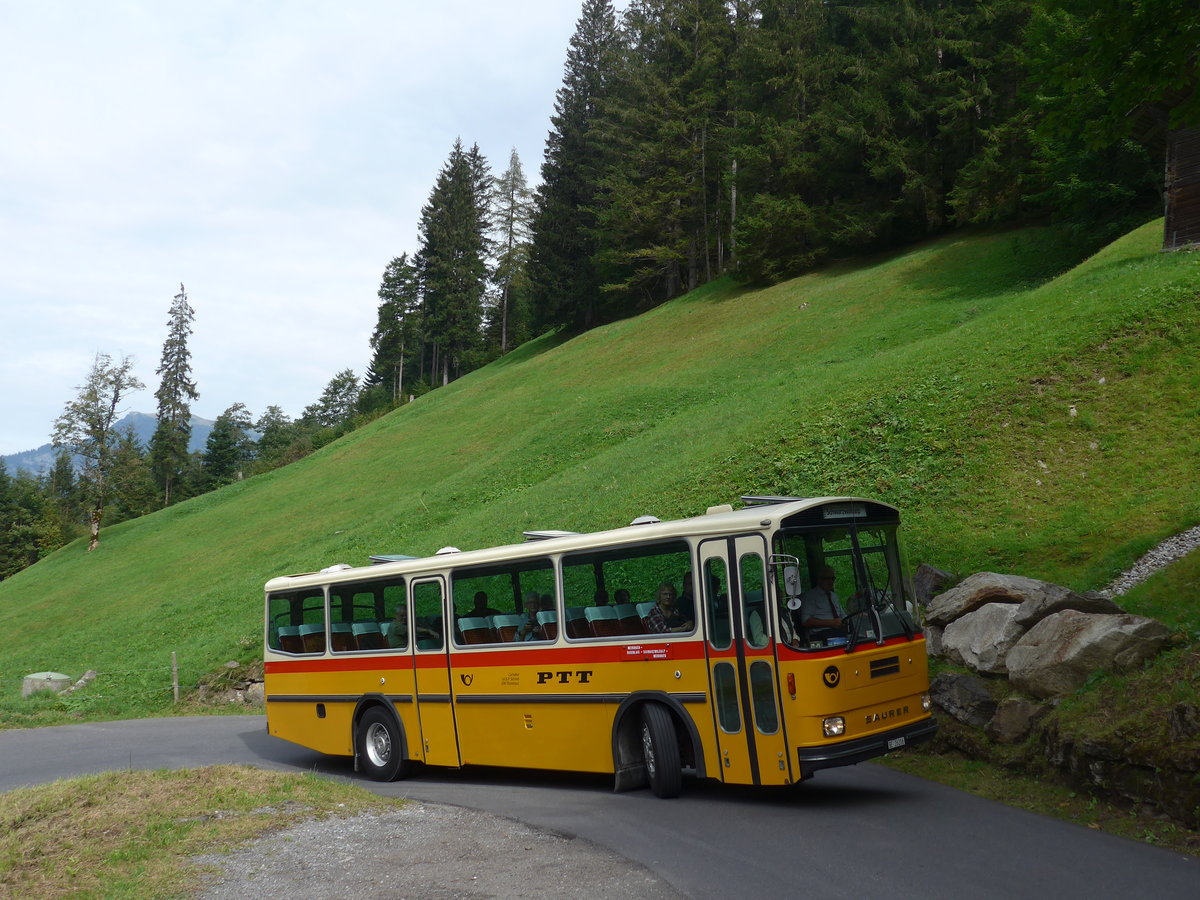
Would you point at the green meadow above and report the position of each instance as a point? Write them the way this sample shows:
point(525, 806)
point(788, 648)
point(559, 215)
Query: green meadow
point(1028, 412)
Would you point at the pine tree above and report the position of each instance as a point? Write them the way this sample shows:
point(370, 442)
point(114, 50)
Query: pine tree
point(85, 428)
point(169, 444)
point(564, 286)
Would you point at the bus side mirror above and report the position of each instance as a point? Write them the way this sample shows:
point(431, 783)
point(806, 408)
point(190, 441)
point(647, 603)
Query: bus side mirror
point(791, 586)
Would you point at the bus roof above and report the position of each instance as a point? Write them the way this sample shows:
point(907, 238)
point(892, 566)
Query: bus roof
point(761, 512)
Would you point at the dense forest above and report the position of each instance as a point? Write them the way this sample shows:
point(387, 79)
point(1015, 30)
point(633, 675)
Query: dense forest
point(692, 140)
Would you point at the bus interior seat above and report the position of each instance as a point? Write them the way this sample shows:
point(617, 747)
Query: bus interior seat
point(368, 635)
point(290, 640)
point(548, 619)
point(506, 627)
point(476, 630)
point(627, 616)
point(603, 621)
point(643, 611)
point(577, 625)
point(341, 638)
point(313, 638)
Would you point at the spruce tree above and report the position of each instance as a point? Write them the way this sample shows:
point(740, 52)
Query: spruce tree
point(660, 207)
point(453, 259)
point(228, 448)
point(564, 285)
point(169, 444)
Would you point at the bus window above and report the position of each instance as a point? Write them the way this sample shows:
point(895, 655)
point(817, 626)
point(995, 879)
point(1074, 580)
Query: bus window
point(869, 584)
point(716, 604)
point(762, 697)
point(362, 616)
point(428, 626)
point(487, 598)
point(630, 576)
point(754, 609)
point(296, 621)
point(725, 693)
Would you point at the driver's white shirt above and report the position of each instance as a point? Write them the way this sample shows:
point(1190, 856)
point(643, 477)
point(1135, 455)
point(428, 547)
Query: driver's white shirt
point(818, 603)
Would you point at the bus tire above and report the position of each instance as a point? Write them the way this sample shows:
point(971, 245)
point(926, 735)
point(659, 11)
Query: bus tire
point(660, 752)
point(380, 752)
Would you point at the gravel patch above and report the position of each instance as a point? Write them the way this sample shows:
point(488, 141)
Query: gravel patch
point(425, 851)
point(1159, 557)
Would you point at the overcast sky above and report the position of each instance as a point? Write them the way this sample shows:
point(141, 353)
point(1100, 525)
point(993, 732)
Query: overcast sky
point(272, 157)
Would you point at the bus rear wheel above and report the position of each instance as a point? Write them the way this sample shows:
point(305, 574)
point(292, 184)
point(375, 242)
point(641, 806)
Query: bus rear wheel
point(660, 752)
point(379, 747)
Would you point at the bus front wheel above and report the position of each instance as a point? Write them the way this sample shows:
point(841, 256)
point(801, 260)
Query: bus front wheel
point(379, 746)
point(660, 752)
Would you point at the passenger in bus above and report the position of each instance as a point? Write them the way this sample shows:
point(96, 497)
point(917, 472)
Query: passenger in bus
point(398, 633)
point(481, 610)
point(621, 597)
point(530, 630)
point(819, 606)
point(664, 617)
point(600, 598)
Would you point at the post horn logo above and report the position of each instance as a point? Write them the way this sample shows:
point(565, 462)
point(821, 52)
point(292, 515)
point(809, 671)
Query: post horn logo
point(467, 678)
point(831, 676)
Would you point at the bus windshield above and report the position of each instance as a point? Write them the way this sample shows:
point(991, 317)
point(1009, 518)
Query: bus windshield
point(842, 586)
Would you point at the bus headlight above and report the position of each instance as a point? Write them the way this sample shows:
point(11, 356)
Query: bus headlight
point(926, 703)
point(834, 726)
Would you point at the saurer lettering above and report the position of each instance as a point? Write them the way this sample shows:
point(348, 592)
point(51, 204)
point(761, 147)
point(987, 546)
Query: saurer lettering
point(887, 714)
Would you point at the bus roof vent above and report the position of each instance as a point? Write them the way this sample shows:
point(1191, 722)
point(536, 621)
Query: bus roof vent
point(446, 551)
point(338, 567)
point(546, 535)
point(381, 558)
point(645, 520)
point(754, 500)
point(722, 508)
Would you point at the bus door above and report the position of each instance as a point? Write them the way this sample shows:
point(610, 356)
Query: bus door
point(741, 662)
point(435, 710)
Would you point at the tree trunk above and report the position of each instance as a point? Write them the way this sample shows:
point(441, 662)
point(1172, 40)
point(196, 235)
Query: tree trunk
point(1181, 195)
point(94, 525)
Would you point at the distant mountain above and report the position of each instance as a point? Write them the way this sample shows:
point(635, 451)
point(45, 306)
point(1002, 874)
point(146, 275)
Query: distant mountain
point(40, 461)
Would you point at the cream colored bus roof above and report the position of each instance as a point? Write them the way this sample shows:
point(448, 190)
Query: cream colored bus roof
point(765, 514)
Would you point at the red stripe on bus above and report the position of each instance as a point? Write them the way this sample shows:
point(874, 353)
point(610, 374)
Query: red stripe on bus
point(568, 655)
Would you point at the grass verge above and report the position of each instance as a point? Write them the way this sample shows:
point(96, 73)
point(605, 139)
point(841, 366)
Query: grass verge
point(131, 835)
point(1045, 797)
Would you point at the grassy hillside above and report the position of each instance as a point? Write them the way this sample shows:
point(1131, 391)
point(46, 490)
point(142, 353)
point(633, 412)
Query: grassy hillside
point(1025, 420)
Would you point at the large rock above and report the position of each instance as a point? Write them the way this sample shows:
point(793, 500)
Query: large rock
point(1014, 719)
point(1057, 598)
point(1058, 654)
point(964, 697)
point(980, 640)
point(933, 640)
point(929, 581)
point(1037, 599)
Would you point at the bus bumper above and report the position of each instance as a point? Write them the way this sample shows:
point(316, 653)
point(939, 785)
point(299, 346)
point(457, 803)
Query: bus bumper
point(848, 753)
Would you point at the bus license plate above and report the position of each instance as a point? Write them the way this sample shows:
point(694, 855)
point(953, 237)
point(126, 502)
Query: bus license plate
point(896, 743)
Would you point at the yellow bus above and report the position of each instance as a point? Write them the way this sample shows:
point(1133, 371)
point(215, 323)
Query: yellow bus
point(653, 651)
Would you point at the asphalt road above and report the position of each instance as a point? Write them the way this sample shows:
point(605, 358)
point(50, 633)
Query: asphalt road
point(862, 832)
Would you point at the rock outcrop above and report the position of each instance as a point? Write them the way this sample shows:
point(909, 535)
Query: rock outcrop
point(1058, 654)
